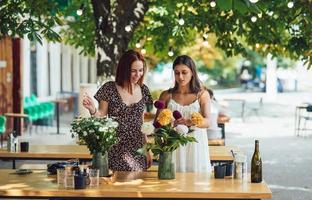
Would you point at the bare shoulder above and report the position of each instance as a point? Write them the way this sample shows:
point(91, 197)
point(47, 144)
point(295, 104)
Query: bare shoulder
point(204, 95)
point(165, 95)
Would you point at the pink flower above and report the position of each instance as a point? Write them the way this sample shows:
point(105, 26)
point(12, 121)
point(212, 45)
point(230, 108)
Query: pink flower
point(159, 104)
point(177, 114)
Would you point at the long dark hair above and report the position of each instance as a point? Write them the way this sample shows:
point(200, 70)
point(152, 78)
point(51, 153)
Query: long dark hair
point(123, 72)
point(195, 84)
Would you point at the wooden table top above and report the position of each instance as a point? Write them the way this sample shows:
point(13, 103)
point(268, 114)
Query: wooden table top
point(217, 153)
point(133, 185)
point(19, 115)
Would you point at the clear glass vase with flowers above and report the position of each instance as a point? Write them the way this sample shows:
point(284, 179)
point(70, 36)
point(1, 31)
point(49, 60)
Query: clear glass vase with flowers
point(167, 138)
point(99, 134)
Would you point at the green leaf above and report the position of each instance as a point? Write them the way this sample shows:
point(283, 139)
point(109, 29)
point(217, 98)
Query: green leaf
point(225, 5)
point(241, 7)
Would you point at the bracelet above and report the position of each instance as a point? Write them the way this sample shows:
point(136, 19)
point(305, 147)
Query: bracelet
point(94, 112)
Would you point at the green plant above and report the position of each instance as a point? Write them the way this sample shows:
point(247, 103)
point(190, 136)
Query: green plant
point(99, 134)
point(167, 139)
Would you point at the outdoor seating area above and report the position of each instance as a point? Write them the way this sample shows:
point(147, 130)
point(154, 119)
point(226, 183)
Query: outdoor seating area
point(38, 112)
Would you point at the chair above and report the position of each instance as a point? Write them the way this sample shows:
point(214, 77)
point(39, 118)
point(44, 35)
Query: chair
point(306, 116)
point(2, 128)
point(255, 109)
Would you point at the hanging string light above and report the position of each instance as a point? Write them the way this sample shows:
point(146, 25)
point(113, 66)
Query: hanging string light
point(80, 10)
point(253, 1)
point(170, 52)
point(253, 19)
point(181, 20)
point(128, 28)
point(213, 4)
point(143, 51)
point(138, 44)
point(290, 4)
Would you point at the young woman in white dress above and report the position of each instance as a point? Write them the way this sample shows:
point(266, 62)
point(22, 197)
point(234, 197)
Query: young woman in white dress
point(188, 96)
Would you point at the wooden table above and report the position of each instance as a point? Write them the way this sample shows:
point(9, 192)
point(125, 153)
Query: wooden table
point(81, 152)
point(16, 116)
point(133, 185)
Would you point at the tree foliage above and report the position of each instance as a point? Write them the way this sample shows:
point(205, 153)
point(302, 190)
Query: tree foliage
point(275, 29)
point(36, 19)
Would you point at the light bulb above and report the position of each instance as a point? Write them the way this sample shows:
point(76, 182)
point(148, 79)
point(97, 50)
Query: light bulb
point(128, 28)
point(213, 4)
point(253, 1)
point(290, 4)
point(79, 12)
point(260, 15)
point(181, 21)
point(138, 45)
point(253, 19)
point(143, 51)
point(170, 53)
point(257, 45)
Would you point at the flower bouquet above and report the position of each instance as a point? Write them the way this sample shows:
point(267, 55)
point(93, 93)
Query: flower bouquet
point(99, 134)
point(167, 139)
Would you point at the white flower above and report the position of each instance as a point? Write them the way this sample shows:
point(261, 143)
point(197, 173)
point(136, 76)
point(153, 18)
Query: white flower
point(147, 128)
point(103, 129)
point(85, 133)
point(182, 129)
point(115, 124)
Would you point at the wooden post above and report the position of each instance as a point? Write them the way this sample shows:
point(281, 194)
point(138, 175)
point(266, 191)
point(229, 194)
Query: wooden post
point(17, 83)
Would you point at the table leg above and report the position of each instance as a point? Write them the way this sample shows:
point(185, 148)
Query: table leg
point(13, 164)
point(222, 126)
point(296, 110)
point(243, 111)
point(57, 118)
point(17, 126)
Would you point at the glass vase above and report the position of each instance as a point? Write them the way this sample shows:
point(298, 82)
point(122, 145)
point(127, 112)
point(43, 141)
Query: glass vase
point(100, 161)
point(166, 169)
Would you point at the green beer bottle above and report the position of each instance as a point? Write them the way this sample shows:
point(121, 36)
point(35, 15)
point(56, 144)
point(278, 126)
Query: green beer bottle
point(256, 165)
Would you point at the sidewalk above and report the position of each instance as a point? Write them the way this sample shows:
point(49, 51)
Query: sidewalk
point(286, 158)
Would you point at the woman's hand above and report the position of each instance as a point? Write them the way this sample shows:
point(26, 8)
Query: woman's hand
point(149, 159)
point(186, 122)
point(88, 103)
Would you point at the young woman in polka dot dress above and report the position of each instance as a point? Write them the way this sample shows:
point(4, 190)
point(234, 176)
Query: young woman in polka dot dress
point(125, 99)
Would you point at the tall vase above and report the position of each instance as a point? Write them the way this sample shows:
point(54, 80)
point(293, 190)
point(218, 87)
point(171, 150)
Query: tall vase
point(166, 169)
point(100, 161)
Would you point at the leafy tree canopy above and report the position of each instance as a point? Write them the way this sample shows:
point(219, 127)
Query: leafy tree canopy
point(268, 26)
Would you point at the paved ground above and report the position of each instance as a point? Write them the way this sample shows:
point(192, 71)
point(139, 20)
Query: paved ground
point(287, 159)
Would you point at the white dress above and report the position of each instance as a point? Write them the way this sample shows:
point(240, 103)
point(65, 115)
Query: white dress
point(194, 157)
